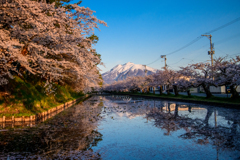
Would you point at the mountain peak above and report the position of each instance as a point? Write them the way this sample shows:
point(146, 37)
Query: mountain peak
point(129, 69)
point(128, 63)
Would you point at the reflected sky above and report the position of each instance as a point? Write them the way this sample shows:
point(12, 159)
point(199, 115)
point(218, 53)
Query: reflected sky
point(131, 130)
point(123, 127)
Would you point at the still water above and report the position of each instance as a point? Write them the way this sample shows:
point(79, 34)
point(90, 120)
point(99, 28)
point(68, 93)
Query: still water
point(123, 127)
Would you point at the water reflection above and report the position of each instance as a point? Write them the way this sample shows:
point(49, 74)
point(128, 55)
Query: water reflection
point(223, 136)
point(200, 124)
point(71, 134)
point(123, 127)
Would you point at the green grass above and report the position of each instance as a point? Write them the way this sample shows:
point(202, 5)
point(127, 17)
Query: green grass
point(221, 100)
point(28, 99)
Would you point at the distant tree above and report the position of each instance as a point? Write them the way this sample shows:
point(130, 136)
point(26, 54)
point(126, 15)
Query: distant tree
point(185, 84)
point(169, 78)
point(227, 73)
point(132, 83)
point(186, 81)
point(223, 72)
point(159, 80)
point(200, 75)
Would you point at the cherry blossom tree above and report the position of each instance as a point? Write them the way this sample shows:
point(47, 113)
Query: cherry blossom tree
point(175, 76)
point(186, 81)
point(51, 42)
point(223, 73)
point(157, 80)
point(227, 72)
point(169, 78)
point(200, 75)
point(133, 83)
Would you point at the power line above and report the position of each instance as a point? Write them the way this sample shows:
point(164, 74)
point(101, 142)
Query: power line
point(228, 57)
point(191, 60)
point(221, 50)
point(219, 42)
point(223, 26)
point(226, 39)
point(233, 55)
point(154, 61)
point(177, 61)
point(190, 43)
point(198, 38)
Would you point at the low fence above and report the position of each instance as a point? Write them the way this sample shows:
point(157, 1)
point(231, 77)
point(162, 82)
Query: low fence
point(40, 117)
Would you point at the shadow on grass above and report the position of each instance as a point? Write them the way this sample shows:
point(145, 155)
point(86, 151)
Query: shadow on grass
point(30, 98)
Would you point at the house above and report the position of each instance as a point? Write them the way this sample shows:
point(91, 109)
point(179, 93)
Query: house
point(219, 89)
point(194, 90)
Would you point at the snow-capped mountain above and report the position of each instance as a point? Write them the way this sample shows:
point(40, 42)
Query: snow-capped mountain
point(129, 69)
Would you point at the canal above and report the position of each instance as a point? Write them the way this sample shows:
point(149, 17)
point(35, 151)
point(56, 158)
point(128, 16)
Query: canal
point(124, 127)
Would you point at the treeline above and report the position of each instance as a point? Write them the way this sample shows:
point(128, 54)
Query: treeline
point(224, 72)
point(48, 41)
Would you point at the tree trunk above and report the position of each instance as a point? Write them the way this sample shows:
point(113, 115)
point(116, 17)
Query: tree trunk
point(5, 93)
point(169, 109)
point(208, 115)
point(148, 90)
point(208, 93)
point(176, 111)
point(234, 92)
point(168, 92)
point(153, 90)
point(188, 93)
point(189, 108)
point(175, 90)
point(160, 90)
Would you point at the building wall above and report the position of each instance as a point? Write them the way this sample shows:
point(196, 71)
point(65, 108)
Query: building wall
point(201, 89)
point(193, 90)
point(238, 89)
point(221, 89)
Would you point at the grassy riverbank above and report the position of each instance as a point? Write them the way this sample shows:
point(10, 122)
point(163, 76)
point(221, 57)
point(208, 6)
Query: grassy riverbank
point(28, 99)
point(212, 100)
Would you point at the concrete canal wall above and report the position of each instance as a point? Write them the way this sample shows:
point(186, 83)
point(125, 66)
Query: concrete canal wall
point(40, 117)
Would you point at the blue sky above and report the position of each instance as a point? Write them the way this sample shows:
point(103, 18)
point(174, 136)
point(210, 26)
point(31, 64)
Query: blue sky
point(140, 31)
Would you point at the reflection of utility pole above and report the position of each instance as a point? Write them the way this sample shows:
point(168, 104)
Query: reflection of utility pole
point(164, 56)
point(211, 48)
point(215, 117)
point(146, 112)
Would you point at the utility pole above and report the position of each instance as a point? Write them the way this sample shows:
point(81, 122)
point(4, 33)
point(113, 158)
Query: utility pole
point(211, 48)
point(164, 56)
point(145, 69)
point(212, 51)
point(145, 74)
